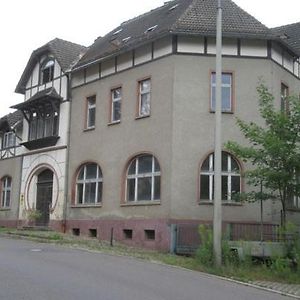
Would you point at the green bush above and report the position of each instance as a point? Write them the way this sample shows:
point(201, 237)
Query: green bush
point(205, 253)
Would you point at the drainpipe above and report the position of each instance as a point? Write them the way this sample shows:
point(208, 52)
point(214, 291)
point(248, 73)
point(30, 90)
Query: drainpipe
point(66, 187)
point(19, 191)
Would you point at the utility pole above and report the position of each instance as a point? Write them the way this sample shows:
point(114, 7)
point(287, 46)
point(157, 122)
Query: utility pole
point(217, 222)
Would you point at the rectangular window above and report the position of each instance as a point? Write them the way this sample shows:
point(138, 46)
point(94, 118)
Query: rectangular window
point(9, 140)
point(116, 98)
point(127, 234)
point(284, 106)
point(226, 92)
point(6, 192)
point(43, 124)
point(149, 234)
point(144, 97)
point(91, 112)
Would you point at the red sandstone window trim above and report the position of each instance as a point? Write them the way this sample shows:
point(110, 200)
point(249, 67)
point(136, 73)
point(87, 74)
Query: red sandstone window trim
point(227, 174)
point(143, 92)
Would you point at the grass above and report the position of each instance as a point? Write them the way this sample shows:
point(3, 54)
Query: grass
point(246, 271)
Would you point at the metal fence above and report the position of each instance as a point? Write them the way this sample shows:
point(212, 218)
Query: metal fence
point(187, 239)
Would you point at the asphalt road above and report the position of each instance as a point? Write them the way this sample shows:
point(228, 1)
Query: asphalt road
point(34, 271)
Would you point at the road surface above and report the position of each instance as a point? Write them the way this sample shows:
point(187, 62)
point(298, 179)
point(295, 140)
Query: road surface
point(34, 271)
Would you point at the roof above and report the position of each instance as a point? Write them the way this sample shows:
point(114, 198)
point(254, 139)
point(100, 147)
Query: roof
point(11, 120)
point(176, 17)
point(49, 94)
point(66, 53)
point(290, 33)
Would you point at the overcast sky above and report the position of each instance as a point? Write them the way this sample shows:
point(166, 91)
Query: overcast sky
point(28, 24)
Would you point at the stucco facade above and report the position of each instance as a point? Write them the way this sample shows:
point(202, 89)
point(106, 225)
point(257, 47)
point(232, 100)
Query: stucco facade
point(179, 133)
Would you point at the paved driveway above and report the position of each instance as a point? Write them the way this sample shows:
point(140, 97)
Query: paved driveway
point(34, 271)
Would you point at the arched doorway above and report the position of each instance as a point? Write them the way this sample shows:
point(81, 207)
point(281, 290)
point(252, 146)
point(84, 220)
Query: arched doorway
point(44, 196)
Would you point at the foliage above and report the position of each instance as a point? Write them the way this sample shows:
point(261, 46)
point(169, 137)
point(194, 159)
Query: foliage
point(291, 237)
point(205, 253)
point(33, 214)
point(273, 151)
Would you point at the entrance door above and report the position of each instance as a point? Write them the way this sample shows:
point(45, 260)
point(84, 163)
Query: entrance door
point(44, 197)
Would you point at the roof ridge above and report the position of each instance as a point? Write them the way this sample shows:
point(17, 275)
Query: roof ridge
point(182, 15)
point(146, 13)
point(65, 41)
point(285, 26)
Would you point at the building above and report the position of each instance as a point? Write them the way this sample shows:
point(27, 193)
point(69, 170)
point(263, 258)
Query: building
point(35, 165)
point(138, 155)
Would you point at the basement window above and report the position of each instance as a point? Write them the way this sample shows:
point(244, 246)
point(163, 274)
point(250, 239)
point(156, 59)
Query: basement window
point(76, 231)
point(150, 234)
point(92, 232)
point(127, 234)
point(150, 29)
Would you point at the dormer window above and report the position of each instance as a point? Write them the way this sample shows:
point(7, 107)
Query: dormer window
point(118, 31)
point(126, 39)
point(150, 29)
point(173, 7)
point(47, 71)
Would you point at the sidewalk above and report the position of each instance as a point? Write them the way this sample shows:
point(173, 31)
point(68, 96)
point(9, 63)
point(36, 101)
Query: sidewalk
point(290, 289)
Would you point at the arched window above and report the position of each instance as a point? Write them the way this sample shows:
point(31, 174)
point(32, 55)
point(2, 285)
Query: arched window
point(47, 70)
point(5, 192)
point(89, 184)
point(231, 178)
point(143, 179)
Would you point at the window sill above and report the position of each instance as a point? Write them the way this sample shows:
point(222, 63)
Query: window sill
point(113, 123)
point(223, 112)
point(89, 129)
point(5, 209)
point(293, 209)
point(142, 117)
point(225, 203)
point(86, 205)
point(141, 203)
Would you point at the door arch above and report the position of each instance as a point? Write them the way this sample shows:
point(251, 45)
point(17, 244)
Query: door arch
point(44, 196)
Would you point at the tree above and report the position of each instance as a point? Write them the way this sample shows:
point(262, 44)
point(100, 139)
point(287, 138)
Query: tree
point(273, 150)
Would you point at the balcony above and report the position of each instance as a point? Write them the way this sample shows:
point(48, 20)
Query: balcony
point(42, 115)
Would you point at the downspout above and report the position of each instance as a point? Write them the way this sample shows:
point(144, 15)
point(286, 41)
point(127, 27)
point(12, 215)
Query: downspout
point(21, 197)
point(66, 187)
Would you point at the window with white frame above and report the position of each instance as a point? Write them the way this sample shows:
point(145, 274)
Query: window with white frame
point(143, 179)
point(144, 97)
point(231, 178)
point(89, 185)
point(5, 192)
point(47, 71)
point(284, 93)
point(116, 98)
point(9, 140)
point(226, 92)
point(91, 112)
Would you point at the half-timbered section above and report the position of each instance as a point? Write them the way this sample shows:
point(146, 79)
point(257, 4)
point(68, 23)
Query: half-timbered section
point(45, 111)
